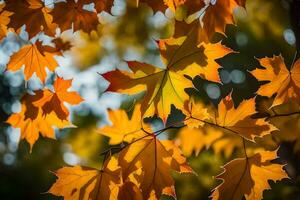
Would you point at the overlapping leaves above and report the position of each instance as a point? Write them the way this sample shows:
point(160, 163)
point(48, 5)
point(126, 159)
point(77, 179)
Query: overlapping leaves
point(39, 114)
point(38, 17)
point(142, 168)
point(145, 163)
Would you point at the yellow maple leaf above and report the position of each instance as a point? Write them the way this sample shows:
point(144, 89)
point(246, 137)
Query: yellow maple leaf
point(124, 129)
point(248, 177)
point(182, 57)
point(86, 183)
point(195, 113)
point(192, 58)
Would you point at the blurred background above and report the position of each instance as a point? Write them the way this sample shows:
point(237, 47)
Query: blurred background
point(268, 27)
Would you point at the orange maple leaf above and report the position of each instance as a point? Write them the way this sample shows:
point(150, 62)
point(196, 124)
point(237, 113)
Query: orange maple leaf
point(53, 101)
point(32, 122)
point(282, 82)
point(248, 177)
point(219, 14)
point(213, 16)
point(239, 120)
point(4, 21)
point(86, 183)
point(156, 159)
point(67, 13)
point(33, 14)
point(35, 57)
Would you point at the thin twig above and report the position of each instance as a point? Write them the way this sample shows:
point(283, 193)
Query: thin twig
point(284, 115)
point(173, 126)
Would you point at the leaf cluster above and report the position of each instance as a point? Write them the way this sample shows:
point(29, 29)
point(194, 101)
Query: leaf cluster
point(139, 163)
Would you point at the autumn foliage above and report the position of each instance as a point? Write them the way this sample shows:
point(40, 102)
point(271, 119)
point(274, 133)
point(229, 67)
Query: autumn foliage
point(139, 164)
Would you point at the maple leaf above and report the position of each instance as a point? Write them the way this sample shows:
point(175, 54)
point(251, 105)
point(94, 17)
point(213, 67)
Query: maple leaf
point(74, 13)
point(61, 45)
point(159, 5)
point(88, 183)
point(54, 101)
point(219, 14)
point(35, 57)
point(156, 159)
point(182, 28)
point(210, 16)
point(239, 120)
point(182, 57)
point(104, 5)
point(248, 177)
point(4, 21)
point(100, 5)
point(198, 59)
point(195, 114)
point(124, 129)
point(32, 122)
point(195, 139)
point(33, 14)
point(282, 82)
